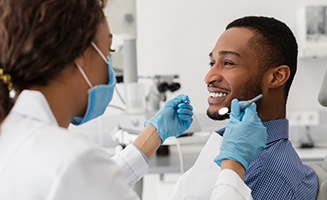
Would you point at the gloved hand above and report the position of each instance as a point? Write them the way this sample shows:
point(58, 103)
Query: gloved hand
point(244, 136)
point(173, 118)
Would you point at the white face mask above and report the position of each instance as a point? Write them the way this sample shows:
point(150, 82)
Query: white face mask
point(99, 96)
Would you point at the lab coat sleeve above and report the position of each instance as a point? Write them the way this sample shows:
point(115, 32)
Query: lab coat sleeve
point(230, 186)
point(132, 164)
point(90, 175)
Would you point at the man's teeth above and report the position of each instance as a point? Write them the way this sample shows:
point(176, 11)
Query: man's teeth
point(215, 95)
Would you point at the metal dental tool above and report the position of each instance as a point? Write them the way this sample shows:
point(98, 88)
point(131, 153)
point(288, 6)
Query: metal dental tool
point(224, 110)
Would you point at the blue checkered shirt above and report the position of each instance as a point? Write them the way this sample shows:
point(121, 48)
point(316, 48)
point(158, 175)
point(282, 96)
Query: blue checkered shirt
point(277, 172)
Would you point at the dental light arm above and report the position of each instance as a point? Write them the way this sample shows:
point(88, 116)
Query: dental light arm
point(322, 97)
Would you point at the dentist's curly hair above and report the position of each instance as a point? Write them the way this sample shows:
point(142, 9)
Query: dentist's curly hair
point(273, 41)
point(39, 38)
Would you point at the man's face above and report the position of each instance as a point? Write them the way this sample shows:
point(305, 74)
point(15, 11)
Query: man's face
point(234, 71)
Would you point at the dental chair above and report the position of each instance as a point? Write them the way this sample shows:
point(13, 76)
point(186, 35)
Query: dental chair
point(321, 170)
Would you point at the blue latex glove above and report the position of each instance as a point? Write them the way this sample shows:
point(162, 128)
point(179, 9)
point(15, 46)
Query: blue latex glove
point(244, 136)
point(173, 118)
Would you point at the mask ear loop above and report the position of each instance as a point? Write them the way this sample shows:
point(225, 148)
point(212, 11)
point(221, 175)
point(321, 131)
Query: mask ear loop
point(84, 75)
point(99, 52)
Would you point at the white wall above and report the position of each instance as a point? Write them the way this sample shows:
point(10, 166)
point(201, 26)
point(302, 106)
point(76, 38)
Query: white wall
point(175, 36)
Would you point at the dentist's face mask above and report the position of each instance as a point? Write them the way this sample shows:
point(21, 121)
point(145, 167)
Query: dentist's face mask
point(99, 96)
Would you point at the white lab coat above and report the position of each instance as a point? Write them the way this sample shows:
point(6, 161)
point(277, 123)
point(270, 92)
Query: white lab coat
point(40, 160)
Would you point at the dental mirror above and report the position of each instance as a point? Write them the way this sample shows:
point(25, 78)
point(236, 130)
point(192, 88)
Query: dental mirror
point(225, 110)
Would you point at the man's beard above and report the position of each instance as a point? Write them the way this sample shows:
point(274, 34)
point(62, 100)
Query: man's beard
point(249, 91)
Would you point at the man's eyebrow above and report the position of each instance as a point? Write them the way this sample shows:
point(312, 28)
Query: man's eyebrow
point(222, 53)
point(110, 35)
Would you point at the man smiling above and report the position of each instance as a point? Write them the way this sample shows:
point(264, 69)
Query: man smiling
point(255, 55)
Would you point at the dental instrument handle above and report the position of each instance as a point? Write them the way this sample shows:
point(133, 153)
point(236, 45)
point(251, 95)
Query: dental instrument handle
point(248, 103)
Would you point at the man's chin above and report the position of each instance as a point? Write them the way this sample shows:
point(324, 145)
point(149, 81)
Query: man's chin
point(216, 116)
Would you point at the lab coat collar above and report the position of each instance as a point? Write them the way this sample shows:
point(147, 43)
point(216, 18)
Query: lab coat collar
point(33, 104)
point(276, 130)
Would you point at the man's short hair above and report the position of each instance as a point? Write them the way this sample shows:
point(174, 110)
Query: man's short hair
point(274, 42)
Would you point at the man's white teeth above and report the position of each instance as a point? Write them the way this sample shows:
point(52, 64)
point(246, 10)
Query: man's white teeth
point(215, 95)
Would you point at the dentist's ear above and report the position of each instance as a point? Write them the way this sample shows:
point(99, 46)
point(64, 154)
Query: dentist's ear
point(84, 58)
point(80, 60)
point(278, 76)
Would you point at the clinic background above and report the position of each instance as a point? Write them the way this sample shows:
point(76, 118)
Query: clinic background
point(176, 36)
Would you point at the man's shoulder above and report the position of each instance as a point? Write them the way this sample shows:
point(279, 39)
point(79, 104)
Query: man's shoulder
point(279, 160)
point(278, 155)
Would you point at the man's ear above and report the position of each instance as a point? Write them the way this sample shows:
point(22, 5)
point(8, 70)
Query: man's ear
point(278, 76)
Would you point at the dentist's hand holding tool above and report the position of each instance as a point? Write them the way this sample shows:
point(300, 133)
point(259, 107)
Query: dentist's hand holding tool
point(174, 118)
point(244, 136)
